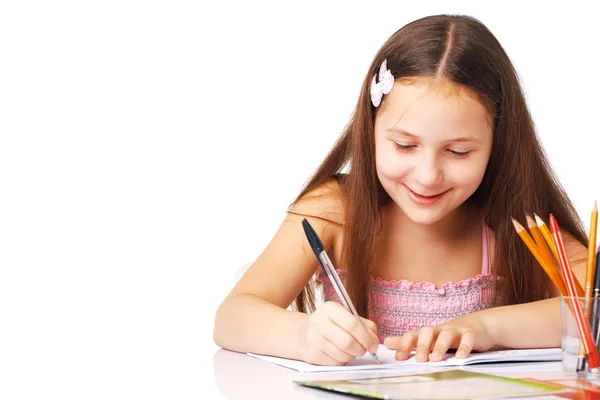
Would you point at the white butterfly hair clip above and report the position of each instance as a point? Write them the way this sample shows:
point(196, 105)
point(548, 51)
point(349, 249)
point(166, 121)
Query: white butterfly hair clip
point(384, 86)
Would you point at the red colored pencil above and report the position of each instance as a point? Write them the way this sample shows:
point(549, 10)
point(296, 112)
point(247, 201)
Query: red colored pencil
point(583, 325)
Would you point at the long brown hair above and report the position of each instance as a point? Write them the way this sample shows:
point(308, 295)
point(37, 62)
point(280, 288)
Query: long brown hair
point(518, 178)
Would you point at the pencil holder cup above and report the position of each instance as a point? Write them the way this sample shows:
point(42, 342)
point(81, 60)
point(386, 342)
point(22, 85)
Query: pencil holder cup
point(574, 358)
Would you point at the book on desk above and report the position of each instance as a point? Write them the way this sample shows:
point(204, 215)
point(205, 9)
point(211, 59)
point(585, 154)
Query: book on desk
point(388, 361)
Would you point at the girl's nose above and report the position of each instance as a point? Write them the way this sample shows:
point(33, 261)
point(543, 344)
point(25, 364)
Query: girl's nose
point(429, 172)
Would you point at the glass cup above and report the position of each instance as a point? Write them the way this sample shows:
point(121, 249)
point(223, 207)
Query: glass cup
point(570, 335)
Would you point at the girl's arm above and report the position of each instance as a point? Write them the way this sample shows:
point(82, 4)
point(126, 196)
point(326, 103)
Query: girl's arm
point(536, 324)
point(253, 317)
point(530, 325)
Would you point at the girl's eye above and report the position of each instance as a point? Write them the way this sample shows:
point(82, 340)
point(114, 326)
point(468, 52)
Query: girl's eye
point(460, 154)
point(404, 147)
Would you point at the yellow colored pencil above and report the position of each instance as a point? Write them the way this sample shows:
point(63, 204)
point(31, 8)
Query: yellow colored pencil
point(546, 234)
point(540, 242)
point(591, 258)
point(589, 270)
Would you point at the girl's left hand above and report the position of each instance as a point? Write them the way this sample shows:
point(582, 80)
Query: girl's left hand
point(432, 342)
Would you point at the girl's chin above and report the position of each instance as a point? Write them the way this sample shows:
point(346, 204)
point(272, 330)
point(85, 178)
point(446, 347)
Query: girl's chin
point(423, 220)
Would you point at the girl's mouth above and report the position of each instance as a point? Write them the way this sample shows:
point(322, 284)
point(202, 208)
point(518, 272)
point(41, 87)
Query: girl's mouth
point(425, 200)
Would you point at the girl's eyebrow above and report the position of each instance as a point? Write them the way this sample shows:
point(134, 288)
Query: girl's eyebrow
point(412, 135)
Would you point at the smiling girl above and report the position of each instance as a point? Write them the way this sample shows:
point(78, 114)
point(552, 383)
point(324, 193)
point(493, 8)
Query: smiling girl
point(442, 152)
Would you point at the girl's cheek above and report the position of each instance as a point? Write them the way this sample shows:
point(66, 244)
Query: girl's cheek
point(466, 175)
point(392, 168)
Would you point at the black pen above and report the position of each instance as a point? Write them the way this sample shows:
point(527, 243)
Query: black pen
point(327, 266)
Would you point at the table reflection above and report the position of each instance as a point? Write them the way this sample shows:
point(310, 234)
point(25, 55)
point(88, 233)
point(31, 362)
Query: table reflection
point(241, 377)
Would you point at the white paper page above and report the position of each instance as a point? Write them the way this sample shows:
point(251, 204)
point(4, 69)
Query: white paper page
point(388, 361)
point(514, 355)
point(499, 368)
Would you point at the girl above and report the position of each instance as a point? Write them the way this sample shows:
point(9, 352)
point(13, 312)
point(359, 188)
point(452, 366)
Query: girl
point(441, 152)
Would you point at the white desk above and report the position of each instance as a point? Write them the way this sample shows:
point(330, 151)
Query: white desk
point(241, 377)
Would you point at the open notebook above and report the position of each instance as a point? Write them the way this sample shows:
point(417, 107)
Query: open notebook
point(386, 357)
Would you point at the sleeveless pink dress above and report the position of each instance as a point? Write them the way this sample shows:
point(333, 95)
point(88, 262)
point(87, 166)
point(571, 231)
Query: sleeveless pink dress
point(402, 306)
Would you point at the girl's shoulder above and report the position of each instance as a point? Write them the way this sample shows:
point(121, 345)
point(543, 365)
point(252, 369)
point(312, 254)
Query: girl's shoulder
point(325, 202)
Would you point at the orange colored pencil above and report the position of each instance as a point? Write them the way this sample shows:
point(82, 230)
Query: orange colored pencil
point(541, 243)
point(583, 325)
point(550, 270)
point(550, 241)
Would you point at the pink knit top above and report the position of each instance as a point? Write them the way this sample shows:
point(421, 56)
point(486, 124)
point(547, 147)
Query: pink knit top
point(402, 306)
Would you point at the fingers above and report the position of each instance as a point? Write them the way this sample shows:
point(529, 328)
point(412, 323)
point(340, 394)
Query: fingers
point(362, 334)
point(318, 345)
point(371, 327)
point(463, 341)
point(425, 342)
point(422, 340)
point(340, 357)
point(319, 357)
point(343, 340)
point(445, 339)
point(334, 336)
point(434, 340)
point(466, 343)
point(402, 344)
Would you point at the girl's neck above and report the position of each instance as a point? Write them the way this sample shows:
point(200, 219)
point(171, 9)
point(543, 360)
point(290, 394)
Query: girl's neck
point(452, 227)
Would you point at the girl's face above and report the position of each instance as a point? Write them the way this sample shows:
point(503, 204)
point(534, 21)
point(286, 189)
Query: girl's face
point(432, 147)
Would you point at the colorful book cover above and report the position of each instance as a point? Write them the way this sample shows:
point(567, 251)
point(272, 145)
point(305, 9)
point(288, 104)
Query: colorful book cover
point(581, 389)
point(452, 384)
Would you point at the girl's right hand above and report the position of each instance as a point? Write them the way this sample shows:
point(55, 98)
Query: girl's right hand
point(333, 336)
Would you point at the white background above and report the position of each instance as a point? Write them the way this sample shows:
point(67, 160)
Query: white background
point(149, 149)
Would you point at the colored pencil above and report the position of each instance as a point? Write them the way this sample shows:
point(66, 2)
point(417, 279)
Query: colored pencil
point(591, 258)
point(589, 276)
point(541, 244)
point(550, 270)
point(550, 241)
point(546, 234)
point(592, 289)
point(583, 325)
